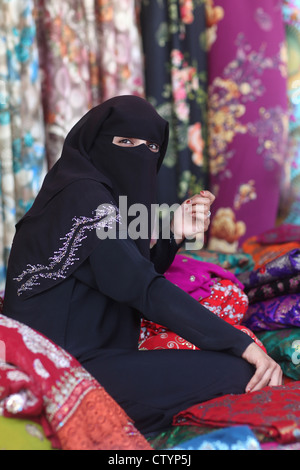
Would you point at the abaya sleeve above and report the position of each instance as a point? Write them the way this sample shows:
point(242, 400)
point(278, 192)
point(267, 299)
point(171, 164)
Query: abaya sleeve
point(162, 254)
point(123, 274)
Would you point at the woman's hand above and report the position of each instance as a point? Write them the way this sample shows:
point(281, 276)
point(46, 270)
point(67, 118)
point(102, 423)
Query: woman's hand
point(192, 218)
point(268, 372)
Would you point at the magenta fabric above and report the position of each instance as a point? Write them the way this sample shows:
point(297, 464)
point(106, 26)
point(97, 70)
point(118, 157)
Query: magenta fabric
point(247, 110)
point(197, 277)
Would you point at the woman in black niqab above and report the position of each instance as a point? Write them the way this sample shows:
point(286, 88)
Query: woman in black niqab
point(88, 294)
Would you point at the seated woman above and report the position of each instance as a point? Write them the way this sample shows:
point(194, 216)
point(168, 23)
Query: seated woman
point(79, 274)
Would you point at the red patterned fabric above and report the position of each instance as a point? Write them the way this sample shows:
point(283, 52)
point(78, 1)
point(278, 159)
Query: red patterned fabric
point(273, 411)
point(39, 380)
point(227, 301)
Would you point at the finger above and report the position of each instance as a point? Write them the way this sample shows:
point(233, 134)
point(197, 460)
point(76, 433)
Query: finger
point(209, 195)
point(201, 207)
point(197, 199)
point(202, 216)
point(266, 374)
point(206, 224)
point(256, 379)
point(260, 381)
point(276, 379)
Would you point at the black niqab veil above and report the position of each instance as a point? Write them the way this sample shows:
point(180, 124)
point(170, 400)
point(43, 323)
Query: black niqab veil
point(59, 232)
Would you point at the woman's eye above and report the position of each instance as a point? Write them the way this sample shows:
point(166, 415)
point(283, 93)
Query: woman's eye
point(153, 147)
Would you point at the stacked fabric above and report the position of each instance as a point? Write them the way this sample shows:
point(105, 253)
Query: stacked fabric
point(273, 290)
point(270, 274)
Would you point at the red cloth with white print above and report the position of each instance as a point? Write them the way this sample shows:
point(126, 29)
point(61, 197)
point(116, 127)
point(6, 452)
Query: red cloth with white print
point(42, 382)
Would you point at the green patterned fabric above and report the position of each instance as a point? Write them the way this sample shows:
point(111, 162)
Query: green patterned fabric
point(284, 347)
point(177, 435)
point(22, 434)
point(234, 262)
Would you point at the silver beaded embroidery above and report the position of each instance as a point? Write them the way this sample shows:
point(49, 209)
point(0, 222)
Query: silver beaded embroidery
point(63, 259)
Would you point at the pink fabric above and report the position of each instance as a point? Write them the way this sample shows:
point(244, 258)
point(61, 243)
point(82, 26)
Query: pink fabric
point(285, 233)
point(197, 277)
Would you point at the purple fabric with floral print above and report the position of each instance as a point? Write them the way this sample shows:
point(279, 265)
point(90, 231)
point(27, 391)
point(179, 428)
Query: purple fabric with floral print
point(274, 314)
point(277, 277)
point(247, 118)
point(285, 266)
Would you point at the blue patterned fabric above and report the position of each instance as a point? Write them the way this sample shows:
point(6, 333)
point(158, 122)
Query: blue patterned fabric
point(233, 438)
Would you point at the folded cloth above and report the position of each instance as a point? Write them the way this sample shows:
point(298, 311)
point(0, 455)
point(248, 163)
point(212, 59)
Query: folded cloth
point(197, 277)
point(274, 288)
point(233, 438)
point(272, 411)
point(264, 253)
point(277, 277)
point(284, 347)
point(41, 381)
point(234, 262)
point(284, 233)
point(286, 266)
point(274, 314)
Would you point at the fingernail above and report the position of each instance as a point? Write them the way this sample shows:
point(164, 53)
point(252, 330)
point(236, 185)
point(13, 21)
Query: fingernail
point(202, 192)
point(188, 201)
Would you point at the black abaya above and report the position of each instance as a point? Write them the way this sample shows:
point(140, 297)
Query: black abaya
point(88, 294)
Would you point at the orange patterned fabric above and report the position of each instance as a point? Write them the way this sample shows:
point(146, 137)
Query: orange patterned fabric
point(264, 253)
point(96, 424)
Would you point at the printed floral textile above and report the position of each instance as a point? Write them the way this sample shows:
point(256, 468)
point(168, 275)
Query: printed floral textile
point(274, 289)
point(39, 380)
point(233, 262)
point(174, 39)
point(234, 438)
point(284, 347)
point(247, 119)
point(277, 277)
point(264, 253)
point(287, 265)
point(283, 233)
point(273, 411)
point(89, 52)
point(290, 203)
point(22, 141)
point(273, 314)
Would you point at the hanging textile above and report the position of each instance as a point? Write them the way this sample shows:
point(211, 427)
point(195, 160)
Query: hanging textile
point(174, 43)
point(290, 197)
point(90, 51)
point(67, 62)
point(21, 120)
point(247, 119)
point(120, 58)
